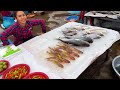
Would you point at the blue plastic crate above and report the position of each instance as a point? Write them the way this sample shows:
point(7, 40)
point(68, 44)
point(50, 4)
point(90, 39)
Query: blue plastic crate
point(8, 21)
point(69, 18)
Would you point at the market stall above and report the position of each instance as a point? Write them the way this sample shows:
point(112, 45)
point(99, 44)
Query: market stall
point(100, 14)
point(35, 51)
point(106, 19)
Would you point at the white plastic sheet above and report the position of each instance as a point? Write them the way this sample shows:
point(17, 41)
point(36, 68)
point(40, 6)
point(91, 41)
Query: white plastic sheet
point(41, 43)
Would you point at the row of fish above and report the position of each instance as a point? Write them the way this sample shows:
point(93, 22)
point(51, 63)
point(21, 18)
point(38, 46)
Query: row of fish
point(74, 32)
point(70, 32)
point(63, 53)
point(81, 38)
point(76, 41)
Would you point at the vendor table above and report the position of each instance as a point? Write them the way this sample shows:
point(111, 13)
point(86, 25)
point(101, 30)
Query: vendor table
point(114, 21)
point(34, 52)
point(98, 15)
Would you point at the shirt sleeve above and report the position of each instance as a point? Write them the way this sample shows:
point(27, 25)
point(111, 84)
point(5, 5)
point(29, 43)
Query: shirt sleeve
point(6, 34)
point(39, 22)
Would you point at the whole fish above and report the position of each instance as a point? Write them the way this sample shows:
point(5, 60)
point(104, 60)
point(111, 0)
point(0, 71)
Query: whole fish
point(88, 39)
point(101, 33)
point(69, 33)
point(76, 42)
point(93, 36)
point(57, 63)
point(84, 38)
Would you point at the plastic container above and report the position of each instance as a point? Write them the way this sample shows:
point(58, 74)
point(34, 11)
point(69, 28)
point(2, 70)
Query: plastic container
point(71, 18)
point(38, 74)
point(13, 68)
point(116, 65)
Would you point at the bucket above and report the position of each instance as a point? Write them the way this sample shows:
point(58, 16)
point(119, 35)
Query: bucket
point(116, 65)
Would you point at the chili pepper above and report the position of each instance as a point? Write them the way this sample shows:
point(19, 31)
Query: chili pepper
point(6, 75)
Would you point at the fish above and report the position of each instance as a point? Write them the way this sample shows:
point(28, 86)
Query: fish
point(69, 33)
point(65, 54)
point(69, 49)
point(63, 59)
point(54, 58)
point(88, 39)
point(75, 54)
point(97, 32)
point(84, 38)
point(70, 57)
point(57, 63)
point(93, 36)
point(78, 51)
point(59, 59)
point(58, 55)
point(76, 42)
point(72, 48)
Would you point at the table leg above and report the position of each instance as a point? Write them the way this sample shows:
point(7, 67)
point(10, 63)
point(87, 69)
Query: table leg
point(92, 21)
point(86, 20)
point(93, 70)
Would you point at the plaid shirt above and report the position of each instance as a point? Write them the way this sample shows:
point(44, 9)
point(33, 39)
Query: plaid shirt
point(21, 33)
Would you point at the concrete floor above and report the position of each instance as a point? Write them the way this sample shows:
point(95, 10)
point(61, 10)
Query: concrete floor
point(102, 67)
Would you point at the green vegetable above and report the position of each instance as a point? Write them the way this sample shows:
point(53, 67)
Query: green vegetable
point(4, 63)
point(1, 69)
point(1, 63)
point(1, 66)
point(5, 66)
point(15, 72)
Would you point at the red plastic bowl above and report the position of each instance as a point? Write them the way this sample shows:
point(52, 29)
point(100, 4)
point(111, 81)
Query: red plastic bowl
point(16, 66)
point(8, 64)
point(39, 74)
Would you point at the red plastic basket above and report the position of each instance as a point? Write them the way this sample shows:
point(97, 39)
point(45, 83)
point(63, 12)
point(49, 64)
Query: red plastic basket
point(16, 67)
point(38, 74)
